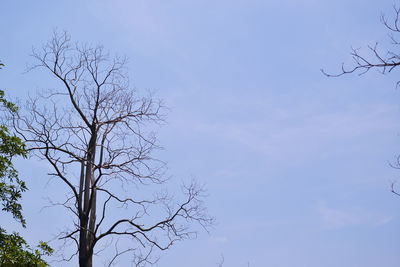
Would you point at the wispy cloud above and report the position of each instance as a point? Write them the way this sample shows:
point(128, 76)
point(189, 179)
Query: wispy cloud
point(334, 218)
point(282, 133)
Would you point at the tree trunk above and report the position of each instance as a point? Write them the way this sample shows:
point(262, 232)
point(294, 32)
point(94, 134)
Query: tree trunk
point(88, 216)
point(83, 243)
point(85, 260)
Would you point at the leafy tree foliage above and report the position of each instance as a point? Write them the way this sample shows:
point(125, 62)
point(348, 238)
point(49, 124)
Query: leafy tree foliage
point(11, 186)
point(14, 251)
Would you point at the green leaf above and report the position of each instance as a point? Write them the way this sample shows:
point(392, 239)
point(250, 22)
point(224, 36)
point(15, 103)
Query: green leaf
point(14, 250)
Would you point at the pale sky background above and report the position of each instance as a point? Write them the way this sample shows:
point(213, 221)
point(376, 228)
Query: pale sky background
point(295, 163)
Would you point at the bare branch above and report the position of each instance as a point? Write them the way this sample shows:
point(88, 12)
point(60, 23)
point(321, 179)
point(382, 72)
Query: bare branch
point(383, 62)
point(95, 132)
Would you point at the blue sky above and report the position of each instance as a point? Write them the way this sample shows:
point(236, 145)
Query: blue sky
point(295, 163)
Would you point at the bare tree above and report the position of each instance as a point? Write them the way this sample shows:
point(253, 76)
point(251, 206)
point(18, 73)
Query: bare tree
point(385, 62)
point(95, 133)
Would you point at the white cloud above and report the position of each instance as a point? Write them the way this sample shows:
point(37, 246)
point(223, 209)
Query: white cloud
point(334, 218)
point(283, 133)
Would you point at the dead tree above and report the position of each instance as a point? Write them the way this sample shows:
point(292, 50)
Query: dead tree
point(385, 62)
point(95, 133)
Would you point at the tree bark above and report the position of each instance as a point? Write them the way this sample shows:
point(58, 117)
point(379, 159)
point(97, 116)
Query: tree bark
point(96, 101)
point(88, 217)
